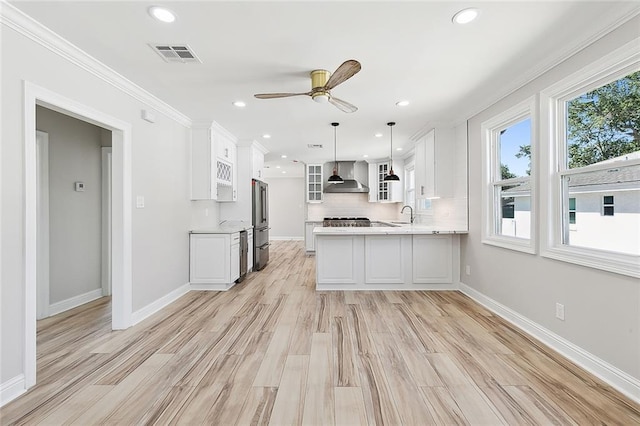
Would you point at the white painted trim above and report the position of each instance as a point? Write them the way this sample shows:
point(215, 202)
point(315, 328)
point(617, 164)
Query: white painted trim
point(159, 304)
point(616, 64)
point(121, 212)
point(286, 238)
point(42, 205)
point(74, 302)
point(105, 209)
point(11, 389)
point(211, 287)
point(491, 167)
point(28, 27)
point(628, 385)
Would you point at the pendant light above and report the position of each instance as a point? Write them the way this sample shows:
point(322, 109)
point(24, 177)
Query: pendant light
point(335, 178)
point(391, 176)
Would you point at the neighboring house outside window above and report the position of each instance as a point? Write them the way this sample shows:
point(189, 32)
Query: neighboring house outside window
point(607, 205)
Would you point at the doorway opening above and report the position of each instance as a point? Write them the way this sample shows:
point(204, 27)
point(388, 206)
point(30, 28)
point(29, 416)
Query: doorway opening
point(120, 210)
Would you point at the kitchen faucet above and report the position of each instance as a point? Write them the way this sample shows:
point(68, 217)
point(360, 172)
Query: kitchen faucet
point(410, 209)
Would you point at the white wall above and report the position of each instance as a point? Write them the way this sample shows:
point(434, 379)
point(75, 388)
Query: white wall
point(160, 173)
point(352, 205)
point(286, 207)
point(75, 217)
point(602, 309)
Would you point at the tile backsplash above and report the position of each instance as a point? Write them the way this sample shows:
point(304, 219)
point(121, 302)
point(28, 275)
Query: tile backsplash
point(352, 205)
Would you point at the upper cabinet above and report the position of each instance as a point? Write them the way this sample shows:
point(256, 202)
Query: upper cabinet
point(435, 171)
point(389, 191)
point(314, 183)
point(249, 159)
point(213, 163)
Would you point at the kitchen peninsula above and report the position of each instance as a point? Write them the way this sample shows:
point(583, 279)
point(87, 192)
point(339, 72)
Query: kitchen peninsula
point(394, 257)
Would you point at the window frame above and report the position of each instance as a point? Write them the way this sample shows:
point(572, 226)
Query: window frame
point(491, 168)
point(553, 159)
point(605, 205)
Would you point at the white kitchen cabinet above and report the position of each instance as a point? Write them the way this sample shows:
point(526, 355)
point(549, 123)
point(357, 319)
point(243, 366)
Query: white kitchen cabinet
point(213, 168)
point(314, 183)
point(432, 259)
point(257, 165)
point(214, 260)
point(309, 240)
point(434, 164)
point(340, 261)
point(385, 192)
point(249, 165)
point(386, 259)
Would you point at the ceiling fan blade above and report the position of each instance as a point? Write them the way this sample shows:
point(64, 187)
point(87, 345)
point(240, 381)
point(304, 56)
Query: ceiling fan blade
point(343, 106)
point(279, 95)
point(344, 72)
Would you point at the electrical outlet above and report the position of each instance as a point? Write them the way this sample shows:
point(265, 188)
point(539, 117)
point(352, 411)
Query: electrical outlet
point(560, 311)
point(467, 269)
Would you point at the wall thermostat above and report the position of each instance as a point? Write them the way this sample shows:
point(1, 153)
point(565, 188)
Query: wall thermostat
point(79, 186)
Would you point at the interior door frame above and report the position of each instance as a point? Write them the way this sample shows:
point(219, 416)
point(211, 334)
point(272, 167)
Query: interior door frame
point(105, 264)
point(121, 211)
point(42, 207)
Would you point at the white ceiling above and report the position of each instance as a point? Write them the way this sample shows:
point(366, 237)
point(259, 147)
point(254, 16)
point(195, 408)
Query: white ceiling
point(408, 50)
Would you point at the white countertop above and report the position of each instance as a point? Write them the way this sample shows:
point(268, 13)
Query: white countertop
point(231, 229)
point(395, 229)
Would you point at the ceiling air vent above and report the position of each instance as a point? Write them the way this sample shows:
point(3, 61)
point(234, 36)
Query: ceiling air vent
point(181, 53)
point(314, 145)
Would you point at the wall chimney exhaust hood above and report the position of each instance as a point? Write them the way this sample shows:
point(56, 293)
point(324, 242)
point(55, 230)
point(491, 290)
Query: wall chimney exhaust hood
point(349, 184)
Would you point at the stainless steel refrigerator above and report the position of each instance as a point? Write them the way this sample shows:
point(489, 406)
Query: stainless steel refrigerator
point(260, 203)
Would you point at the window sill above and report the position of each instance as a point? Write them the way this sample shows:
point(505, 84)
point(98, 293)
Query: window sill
point(611, 262)
point(517, 244)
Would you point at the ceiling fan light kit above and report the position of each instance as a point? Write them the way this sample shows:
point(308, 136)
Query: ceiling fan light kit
point(391, 177)
point(322, 81)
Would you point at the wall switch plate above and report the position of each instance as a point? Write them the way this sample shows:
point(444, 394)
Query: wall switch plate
point(560, 311)
point(79, 186)
point(139, 202)
point(467, 269)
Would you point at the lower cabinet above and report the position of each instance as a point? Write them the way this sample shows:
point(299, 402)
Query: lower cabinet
point(309, 241)
point(387, 262)
point(432, 259)
point(386, 259)
point(214, 260)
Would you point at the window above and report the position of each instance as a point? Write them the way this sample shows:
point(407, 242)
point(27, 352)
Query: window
point(593, 167)
point(507, 161)
point(410, 185)
point(607, 205)
point(572, 211)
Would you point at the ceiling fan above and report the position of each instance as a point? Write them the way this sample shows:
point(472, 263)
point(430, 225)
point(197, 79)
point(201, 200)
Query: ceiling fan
point(322, 81)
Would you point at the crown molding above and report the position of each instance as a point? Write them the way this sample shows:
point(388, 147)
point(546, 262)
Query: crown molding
point(32, 29)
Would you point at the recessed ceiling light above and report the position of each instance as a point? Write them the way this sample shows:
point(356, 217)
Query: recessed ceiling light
point(398, 149)
point(402, 103)
point(366, 156)
point(266, 136)
point(284, 171)
point(378, 135)
point(283, 156)
point(239, 104)
point(277, 167)
point(162, 14)
point(465, 15)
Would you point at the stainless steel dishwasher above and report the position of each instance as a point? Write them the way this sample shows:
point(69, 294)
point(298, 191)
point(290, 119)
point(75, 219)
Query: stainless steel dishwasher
point(244, 254)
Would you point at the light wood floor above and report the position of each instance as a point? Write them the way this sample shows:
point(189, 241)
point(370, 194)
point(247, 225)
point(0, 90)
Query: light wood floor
point(272, 350)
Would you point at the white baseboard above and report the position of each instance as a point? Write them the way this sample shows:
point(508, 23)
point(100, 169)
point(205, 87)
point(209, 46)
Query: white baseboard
point(73, 302)
point(154, 307)
point(286, 238)
point(625, 383)
point(11, 389)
